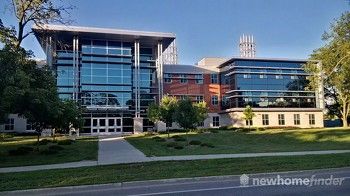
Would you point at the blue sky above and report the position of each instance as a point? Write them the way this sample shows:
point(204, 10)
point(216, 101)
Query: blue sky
point(282, 28)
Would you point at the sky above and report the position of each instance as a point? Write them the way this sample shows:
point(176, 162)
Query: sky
point(211, 28)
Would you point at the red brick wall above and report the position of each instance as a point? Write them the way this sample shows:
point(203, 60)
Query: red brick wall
point(192, 89)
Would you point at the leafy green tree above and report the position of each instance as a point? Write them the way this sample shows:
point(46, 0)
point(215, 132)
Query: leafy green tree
point(248, 115)
point(69, 116)
point(335, 68)
point(167, 109)
point(189, 115)
point(153, 113)
point(163, 112)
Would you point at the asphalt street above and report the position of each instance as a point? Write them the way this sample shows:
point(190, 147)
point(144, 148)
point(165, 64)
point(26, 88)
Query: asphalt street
point(321, 182)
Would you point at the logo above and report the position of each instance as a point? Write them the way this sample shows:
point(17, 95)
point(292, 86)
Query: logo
point(244, 179)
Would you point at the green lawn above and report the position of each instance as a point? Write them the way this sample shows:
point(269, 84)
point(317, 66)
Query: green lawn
point(82, 149)
point(230, 141)
point(167, 169)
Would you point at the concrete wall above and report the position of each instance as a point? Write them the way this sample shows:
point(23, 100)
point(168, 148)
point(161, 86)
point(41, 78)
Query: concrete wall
point(20, 124)
point(235, 119)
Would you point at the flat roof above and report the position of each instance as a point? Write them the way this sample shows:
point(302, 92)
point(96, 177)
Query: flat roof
point(186, 69)
point(263, 59)
point(146, 37)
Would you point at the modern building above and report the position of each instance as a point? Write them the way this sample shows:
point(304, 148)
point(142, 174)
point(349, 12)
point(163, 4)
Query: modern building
point(115, 74)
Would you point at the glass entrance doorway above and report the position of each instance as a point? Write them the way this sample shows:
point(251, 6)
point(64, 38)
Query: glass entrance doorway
point(106, 126)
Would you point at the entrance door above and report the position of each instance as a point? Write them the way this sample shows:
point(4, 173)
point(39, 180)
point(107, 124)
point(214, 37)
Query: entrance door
point(106, 126)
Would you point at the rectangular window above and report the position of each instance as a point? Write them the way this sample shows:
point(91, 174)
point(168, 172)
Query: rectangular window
point(183, 78)
point(265, 119)
point(281, 120)
point(214, 100)
point(201, 124)
point(10, 124)
point(249, 122)
point(216, 121)
point(296, 119)
point(247, 76)
point(199, 78)
point(312, 119)
point(183, 97)
point(279, 77)
point(199, 98)
point(214, 78)
point(167, 78)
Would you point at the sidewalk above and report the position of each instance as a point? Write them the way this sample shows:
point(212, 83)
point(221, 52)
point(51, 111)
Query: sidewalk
point(117, 150)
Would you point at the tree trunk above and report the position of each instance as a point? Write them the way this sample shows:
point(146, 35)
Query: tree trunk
point(20, 34)
point(344, 116)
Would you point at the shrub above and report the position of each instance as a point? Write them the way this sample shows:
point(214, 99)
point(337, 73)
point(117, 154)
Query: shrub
point(44, 142)
point(56, 147)
point(207, 145)
point(156, 137)
point(64, 142)
point(178, 147)
point(171, 144)
point(48, 152)
point(161, 140)
point(23, 150)
point(195, 142)
point(214, 131)
point(178, 138)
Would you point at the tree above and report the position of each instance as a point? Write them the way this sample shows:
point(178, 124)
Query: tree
point(335, 69)
point(163, 112)
point(37, 12)
point(69, 116)
point(189, 115)
point(153, 113)
point(167, 109)
point(248, 115)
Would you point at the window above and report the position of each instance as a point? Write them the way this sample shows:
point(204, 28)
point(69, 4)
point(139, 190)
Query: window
point(312, 119)
point(199, 98)
point(167, 78)
point(249, 122)
point(183, 97)
point(296, 119)
point(293, 77)
point(183, 78)
point(265, 119)
point(247, 76)
point(262, 76)
point(279, 77)
point(10, 124)
point(214, 100)
point(281, 120)
point(214, 78)
point(201, 124)
point(199, 78)
point(216, 121)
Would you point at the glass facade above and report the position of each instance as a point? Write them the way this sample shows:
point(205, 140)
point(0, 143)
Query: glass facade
point(106, 83)
point(266, 84)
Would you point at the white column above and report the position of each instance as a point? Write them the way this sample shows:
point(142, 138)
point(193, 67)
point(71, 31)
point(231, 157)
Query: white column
point(74, 61)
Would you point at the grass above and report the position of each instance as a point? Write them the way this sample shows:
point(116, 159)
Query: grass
point(166, 170)
point(82, 149)
point(230, 141)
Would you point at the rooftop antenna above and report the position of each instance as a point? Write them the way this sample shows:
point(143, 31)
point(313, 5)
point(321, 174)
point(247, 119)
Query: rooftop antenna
point(247, 46)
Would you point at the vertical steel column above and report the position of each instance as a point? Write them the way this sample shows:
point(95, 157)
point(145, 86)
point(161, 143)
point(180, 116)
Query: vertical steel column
point(76, 71)
point(161, 70)
point(137, 77)
point(74, 61)
point(138, 82)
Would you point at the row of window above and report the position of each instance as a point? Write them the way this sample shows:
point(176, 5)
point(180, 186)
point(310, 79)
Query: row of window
point(198, 78)
point(282, 121)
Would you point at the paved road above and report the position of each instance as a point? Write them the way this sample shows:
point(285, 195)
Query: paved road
point(227, 185)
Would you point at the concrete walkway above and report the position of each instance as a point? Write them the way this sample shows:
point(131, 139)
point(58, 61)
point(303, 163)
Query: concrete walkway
point(116, 150)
